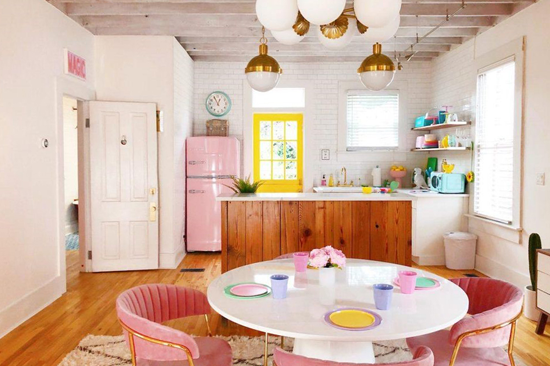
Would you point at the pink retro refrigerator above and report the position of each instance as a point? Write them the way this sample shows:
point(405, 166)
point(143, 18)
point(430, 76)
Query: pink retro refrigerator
point(211, 161)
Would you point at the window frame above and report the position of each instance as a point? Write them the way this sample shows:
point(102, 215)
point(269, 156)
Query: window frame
point(493, 59)
point(399, 87)
point(282, 185)
point(386, 92)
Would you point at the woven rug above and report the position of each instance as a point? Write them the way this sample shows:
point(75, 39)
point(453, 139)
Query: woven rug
point(247, 351)
point(72, 241)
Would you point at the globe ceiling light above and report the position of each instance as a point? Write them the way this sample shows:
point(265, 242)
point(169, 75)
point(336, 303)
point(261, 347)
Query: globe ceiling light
point(277, 15)
point(377, 71)
point(338, 34)
point(294, 35)
point(263, 71)
point(321, 12)
point(379, 35)
point(376, 13)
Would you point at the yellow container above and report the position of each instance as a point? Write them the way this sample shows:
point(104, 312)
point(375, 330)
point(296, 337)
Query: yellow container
point(367, 190)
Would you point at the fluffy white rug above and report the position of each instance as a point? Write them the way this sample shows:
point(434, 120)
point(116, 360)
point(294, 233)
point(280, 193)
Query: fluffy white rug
point(247, 351)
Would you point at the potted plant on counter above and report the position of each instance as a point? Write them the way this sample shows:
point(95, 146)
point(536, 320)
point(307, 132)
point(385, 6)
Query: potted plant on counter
point(530, 307)
point(244, 185)
point(327, 260)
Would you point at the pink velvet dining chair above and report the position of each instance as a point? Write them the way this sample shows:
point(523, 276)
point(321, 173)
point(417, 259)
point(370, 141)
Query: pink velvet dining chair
point(479, 338)
point(423, 356)
point(142, 310)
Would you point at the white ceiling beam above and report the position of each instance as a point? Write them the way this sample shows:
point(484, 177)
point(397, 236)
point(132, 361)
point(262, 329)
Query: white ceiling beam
point(309, 59)
point(253, 1)
point(319, 53)
point(314, 40)
point(239, 32)
point(77, 9)
point(186, 21)
point(274, 48)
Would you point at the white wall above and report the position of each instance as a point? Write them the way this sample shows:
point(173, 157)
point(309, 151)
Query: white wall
point(142, 69)
point(500, 254)
point(183, 125)
point(70, 155)
point(34, 34)
point(414, 80)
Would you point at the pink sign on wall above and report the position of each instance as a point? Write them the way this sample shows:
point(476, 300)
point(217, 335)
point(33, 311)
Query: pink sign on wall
point(75, 65)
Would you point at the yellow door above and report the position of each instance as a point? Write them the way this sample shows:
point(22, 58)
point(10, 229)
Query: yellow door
point(278, 151)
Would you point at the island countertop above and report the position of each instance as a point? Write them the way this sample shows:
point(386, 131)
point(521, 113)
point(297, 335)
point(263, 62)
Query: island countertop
point(315, 197)
point(404, 195)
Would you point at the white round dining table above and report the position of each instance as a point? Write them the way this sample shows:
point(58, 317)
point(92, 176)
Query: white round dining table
point(301, 315)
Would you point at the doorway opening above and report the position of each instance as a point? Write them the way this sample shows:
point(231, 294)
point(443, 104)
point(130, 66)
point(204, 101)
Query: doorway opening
point(70, 178)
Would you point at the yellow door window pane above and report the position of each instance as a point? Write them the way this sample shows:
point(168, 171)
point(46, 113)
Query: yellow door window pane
point(278, 152)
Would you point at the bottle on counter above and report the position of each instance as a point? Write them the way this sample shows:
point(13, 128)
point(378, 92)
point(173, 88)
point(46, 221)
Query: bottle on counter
point(331, 181)
point(324, 181)
point(359, 182)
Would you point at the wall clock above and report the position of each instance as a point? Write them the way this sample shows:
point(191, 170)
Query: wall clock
point(218, 104)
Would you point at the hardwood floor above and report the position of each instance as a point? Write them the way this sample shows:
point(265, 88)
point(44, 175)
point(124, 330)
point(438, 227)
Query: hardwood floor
point(88, 307)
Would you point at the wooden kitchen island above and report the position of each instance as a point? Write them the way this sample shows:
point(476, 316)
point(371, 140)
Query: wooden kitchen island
point(260, 227)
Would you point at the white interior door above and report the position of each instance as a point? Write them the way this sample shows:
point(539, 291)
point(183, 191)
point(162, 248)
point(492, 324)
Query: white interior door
point(124, 197)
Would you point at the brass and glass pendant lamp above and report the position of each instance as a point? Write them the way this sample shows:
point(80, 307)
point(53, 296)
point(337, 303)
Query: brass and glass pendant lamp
point(335, 26)
point(263, 71)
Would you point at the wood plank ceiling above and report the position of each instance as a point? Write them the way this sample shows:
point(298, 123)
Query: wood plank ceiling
point(228, 30)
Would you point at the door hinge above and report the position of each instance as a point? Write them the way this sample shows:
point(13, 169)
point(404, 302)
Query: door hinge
point(89, 254)
point(87, 123)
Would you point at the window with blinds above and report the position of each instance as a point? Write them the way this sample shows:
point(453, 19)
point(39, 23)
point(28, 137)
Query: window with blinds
point(372, 120)
point(494, 155)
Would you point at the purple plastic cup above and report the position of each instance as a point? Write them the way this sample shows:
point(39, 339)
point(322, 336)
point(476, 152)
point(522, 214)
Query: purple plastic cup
point(407, 281)
point(300, 261)
point(382, 296)
point(279, 285)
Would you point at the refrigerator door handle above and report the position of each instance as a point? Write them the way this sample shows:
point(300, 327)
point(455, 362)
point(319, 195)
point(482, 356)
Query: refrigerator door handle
point(196, 191)
point(196, 162)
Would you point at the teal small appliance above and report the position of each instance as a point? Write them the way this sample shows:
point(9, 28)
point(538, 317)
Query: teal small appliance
point(447, 183)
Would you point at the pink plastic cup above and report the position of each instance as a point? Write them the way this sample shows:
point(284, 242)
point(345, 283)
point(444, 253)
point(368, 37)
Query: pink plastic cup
point(300, 261)
point(407, 281)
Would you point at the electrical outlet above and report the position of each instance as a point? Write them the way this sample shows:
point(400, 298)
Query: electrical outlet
point(325, 154)
point(541, 177)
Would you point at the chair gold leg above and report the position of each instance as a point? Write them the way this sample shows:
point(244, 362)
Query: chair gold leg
point(208, 325)
point(132, 348)
point(282, 342)
point(266, 352)
point(511, 344)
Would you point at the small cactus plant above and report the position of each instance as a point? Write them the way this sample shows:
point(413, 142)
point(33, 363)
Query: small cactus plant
point(534, 245)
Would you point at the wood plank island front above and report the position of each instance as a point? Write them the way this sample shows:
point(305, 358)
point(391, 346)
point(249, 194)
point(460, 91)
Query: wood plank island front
point(260, 227)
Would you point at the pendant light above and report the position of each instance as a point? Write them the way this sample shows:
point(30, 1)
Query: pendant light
point(321, 12)
point(376, 13)
point(277, 15)
point(263, 71)
point(377, 71)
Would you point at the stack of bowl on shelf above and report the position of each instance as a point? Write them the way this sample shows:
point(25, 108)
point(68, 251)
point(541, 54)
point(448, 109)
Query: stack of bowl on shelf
point(430, 141)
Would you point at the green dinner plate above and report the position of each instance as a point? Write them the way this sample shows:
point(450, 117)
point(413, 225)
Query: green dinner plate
point(424, 282)
point(227, 291)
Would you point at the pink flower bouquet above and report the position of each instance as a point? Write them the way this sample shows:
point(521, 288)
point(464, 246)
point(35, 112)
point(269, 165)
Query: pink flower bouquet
point(327, 257)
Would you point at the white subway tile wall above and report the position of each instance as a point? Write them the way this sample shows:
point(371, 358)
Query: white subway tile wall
point(454, 84)
point(416, 76)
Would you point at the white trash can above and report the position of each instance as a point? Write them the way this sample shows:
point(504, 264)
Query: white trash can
point(460, 250)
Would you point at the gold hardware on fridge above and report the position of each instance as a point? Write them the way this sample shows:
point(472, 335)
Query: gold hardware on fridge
point(152, 212)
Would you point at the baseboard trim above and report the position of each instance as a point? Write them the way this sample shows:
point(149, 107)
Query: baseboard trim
point(499, 271)
point(171, 260)
point(429, 260)
point(30, 305)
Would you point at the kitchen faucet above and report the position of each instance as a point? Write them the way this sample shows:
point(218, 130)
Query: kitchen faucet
point(344, 171)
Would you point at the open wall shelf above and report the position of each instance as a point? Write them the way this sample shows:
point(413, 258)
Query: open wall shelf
point(442, 126)
point(442, 149)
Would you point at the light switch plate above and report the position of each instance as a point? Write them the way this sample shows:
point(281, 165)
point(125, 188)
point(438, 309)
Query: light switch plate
point(541, 178)
point(325, 154)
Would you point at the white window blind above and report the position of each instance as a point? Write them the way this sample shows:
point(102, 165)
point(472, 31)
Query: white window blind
point(494, 180)
point(372, 120)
